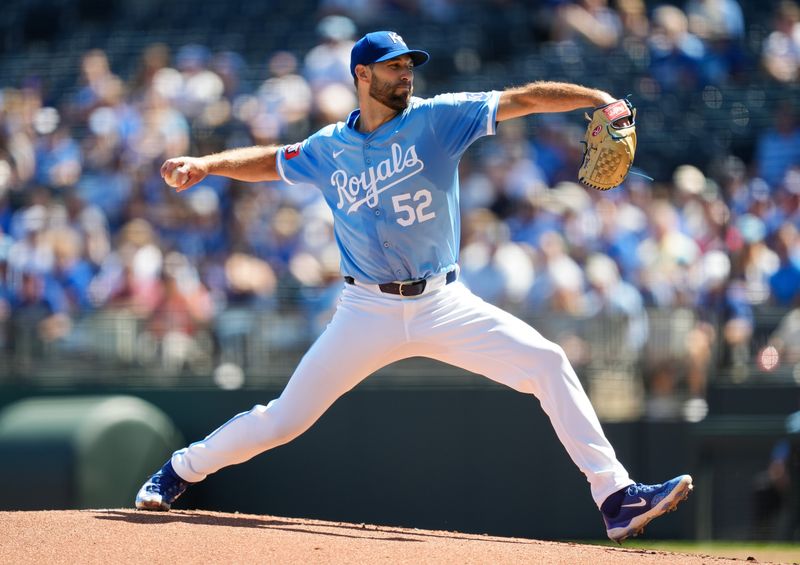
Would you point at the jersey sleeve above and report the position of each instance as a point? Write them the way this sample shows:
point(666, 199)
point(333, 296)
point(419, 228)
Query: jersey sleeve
point(460, 119)
point(297, 163)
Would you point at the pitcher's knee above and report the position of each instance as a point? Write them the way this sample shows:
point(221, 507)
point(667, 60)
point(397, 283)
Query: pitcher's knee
point(555, 358)
point(282, 426)
point(549, 360)
point(545, 364)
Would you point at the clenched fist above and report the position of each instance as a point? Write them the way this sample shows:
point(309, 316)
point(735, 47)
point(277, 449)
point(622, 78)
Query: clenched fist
point(183, 172)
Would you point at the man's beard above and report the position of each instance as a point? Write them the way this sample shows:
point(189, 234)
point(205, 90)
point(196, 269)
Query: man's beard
point(386, 94)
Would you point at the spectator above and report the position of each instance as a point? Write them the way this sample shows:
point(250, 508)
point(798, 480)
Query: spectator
point(559, 283)
point(31, 251)
point(730, 172)
point(720, 26)
point(780, 54)
point(89, 222)
point(494, 268)
point(611, 296)
point(38, 315)
point(703, 214)
point(129, 276)
point(17, 134)
point(788, 200)
point(534, 216)
point(71, 272)
point(230, 67)
point(709, 19)
point(676, 54)
point(754, 261)
point(634, 20)
point(247, 288)
point(580, 225)
point(58, 155)
point(202, 232)
point(592, 21)
point(333, 102)
point(666, 256)
point(778, 147)
point(99, 84)
point(554, 148)
point(105, 181)
point(784, 283)
point(620, 231)
point(154, 58)
point(722, 306)
point(320, 286)
point(200, 86)
point(329, 61)
point(164, 131)
point(286, 95)
point(180, 313)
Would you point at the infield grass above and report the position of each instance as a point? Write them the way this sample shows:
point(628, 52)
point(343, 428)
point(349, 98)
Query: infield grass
point(775, 552)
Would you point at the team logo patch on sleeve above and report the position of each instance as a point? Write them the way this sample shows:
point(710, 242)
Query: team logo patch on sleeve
point(291, 151)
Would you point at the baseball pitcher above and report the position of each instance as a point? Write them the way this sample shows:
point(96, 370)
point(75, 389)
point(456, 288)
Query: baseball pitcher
point(390, 175)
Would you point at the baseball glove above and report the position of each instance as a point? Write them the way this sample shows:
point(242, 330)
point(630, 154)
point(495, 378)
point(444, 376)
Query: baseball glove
point(610, 145)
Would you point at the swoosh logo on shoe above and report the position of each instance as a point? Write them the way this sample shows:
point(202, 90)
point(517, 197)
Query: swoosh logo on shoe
point(641, 502)
point(337, 153)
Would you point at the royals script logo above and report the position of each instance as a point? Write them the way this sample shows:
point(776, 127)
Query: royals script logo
point(364, 188)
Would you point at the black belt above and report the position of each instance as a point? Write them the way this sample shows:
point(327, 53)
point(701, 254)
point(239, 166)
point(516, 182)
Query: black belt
point(407, 288)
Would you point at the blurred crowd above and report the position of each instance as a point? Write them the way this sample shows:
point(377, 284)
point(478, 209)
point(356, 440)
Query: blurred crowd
point(87, 225)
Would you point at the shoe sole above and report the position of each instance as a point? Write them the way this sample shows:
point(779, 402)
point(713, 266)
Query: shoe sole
point(669, 504)
point(152, 506)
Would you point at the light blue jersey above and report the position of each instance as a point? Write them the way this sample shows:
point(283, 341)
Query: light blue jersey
point(394, 192)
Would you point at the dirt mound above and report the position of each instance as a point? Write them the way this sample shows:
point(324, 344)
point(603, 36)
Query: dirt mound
point(128, 536)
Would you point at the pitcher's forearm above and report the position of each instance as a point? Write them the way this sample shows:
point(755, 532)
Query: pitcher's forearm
point(252, 164)
point(543, 96)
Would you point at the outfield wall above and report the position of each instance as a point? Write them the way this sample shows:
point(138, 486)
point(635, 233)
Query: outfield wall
point(482, 461)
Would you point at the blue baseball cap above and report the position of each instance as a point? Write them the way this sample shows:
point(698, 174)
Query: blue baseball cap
point(381, 46)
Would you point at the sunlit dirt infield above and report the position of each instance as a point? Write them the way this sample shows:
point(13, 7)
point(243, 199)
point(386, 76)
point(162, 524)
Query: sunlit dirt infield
point(127, 536)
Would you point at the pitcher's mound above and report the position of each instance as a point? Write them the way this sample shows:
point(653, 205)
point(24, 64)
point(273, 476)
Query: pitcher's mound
point(129, 536)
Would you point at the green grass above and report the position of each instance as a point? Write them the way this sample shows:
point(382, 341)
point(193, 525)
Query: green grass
point(776, 552)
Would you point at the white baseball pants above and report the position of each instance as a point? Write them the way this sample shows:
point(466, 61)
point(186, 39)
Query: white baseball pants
point(371, 329)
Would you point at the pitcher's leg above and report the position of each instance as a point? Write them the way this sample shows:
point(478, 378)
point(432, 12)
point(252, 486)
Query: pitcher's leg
point(467, 332)
point(354, 345)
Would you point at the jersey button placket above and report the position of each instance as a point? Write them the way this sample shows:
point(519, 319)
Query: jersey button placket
point(380, 217)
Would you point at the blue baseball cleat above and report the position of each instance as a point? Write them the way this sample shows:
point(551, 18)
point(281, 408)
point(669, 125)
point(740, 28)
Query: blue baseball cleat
point(161, 489)
point(642, 503)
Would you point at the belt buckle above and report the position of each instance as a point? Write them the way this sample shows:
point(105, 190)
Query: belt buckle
point(400, 286)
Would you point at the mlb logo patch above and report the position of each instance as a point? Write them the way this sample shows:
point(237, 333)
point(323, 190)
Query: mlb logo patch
point(476, 96)
point(291, 151)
